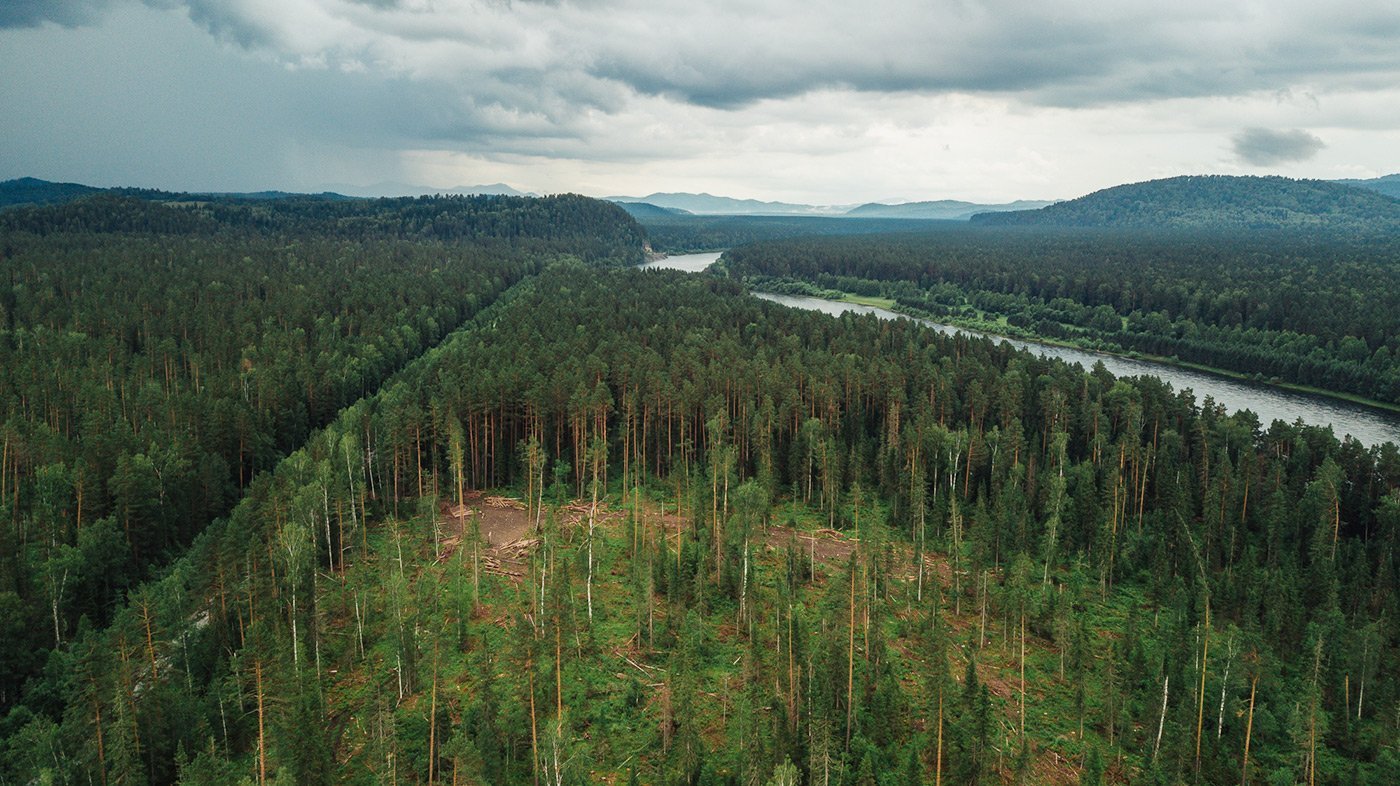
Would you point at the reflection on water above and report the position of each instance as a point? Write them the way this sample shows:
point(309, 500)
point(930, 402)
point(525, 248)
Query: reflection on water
point(1366, 425)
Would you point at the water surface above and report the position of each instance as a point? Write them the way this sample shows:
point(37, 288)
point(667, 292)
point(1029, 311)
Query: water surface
point(690, 263)
point(1367, 425)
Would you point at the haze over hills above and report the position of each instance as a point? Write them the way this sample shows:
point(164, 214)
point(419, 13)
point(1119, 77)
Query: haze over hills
point(1197, 201)
point(709, 204)
point(944, 209)
point(1216, 202)
point(391, 189)
point(33, 191)
point(1388, 184)
point(255, 195)
point(641, 210)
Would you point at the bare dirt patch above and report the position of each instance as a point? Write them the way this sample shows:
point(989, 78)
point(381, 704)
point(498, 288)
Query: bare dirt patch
point(502, 520)
point(505, 528)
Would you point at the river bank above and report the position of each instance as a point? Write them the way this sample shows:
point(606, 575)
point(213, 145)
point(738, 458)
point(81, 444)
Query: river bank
point(1371, 423)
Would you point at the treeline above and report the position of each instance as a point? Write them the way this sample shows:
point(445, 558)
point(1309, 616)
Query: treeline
point(157, 358)
point(596, 230)
point(1304, 309)
point(683, 234)
point(1186, 595)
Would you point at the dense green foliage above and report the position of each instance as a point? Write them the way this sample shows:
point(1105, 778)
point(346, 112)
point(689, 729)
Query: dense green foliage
point(156, 358)
point(680, 234)
point(594, 230)
point(1218, 202)
point(1170, 581)
point(1304, 309)
point(756, 545)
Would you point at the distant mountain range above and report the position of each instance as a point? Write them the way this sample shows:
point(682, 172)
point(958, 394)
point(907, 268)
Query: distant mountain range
point(944, 209)
point(1217, 202)
point(1196, 201)
point(33, 191)
point(711, 205)
point(708, 204)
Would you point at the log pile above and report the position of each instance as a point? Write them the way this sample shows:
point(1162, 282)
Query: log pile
point(516, 549)
point(498, 567)
point(504, 502)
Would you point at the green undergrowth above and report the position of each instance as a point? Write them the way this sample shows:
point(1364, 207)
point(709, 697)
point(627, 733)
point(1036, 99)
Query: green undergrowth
point(652, 653)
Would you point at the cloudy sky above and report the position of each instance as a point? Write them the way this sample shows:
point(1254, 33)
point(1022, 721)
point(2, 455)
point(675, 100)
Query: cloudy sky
point(799, 100)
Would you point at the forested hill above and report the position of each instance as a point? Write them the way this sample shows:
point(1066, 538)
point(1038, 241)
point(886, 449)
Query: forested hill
point(592, 228)
point(157, 357)
point(1387, 184)
point(645, 210)
point(1217, 202)
point(33, 191)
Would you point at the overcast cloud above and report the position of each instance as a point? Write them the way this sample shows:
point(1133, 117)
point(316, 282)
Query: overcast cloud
point(1262, 147)
point(792, 99)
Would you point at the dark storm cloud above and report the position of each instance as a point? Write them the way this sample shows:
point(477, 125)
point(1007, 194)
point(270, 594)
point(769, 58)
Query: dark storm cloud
point(1040, 53)
point(32, 13)
point(725, 64)
point(227, 23)
point(732, 55)
point(226, 84)
point(1265, 147)
point(211, 117)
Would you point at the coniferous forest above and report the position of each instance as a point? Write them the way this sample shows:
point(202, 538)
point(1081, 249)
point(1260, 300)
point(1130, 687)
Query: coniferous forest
point(438, 491)
point(1315, 309)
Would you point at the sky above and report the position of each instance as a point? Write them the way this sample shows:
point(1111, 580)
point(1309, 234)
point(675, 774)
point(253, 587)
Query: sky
point(796, 100)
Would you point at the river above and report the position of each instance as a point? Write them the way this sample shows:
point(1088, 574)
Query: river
point(1367, 425)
